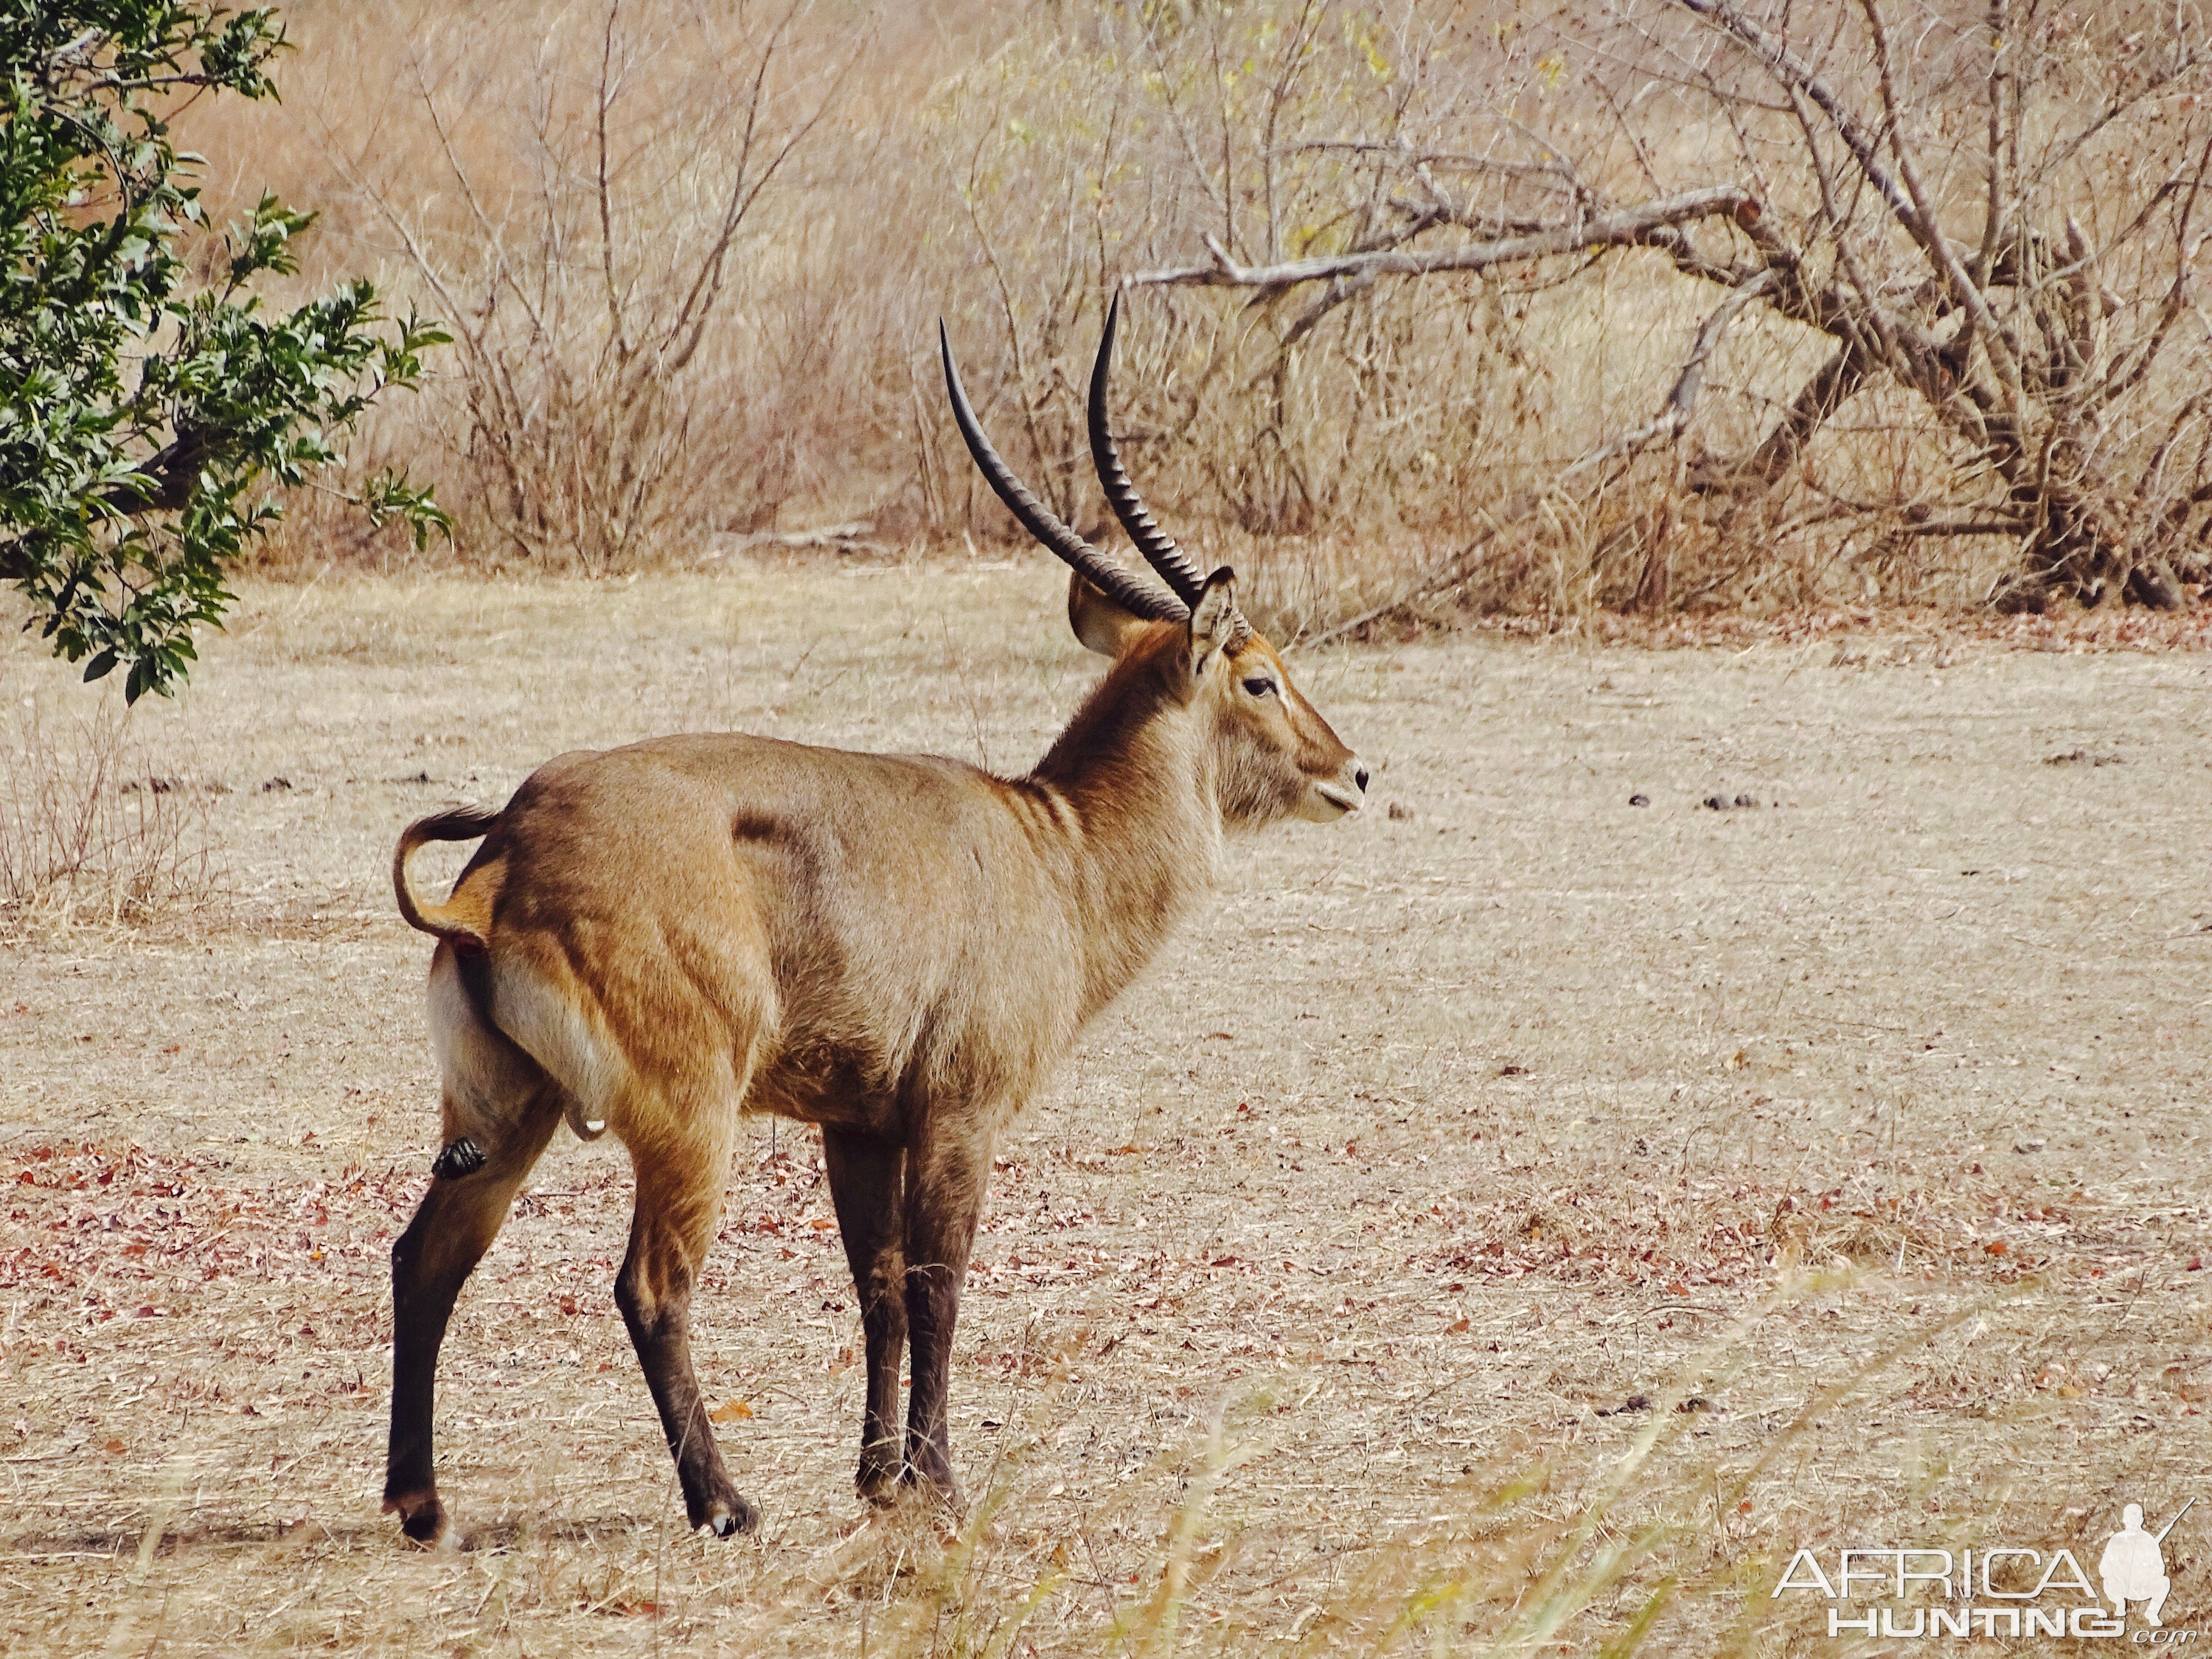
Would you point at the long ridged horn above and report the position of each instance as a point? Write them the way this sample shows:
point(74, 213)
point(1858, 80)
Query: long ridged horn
point(1094, 566)
point(1158, 548)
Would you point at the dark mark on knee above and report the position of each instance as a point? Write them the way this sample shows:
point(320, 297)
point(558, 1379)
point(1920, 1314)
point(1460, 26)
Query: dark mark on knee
point(461, 1157)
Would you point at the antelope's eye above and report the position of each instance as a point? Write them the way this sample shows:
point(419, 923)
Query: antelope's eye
point(1259, 688)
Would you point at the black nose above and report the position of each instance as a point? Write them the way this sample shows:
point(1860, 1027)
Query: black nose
point(1360, 778)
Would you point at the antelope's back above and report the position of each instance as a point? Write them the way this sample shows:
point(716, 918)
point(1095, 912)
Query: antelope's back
point(826, 913)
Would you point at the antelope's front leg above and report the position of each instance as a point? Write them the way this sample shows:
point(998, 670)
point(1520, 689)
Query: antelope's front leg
point(946, 1167)
point(865, 1177)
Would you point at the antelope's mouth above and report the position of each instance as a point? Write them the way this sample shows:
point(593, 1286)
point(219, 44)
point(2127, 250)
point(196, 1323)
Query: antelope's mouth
point(1333, 800)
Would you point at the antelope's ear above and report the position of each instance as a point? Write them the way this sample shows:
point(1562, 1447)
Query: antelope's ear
point(1101, 624)
point(1213, 620)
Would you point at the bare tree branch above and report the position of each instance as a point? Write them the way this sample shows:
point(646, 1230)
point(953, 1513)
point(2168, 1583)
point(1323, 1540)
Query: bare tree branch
point(1831, 385)
point(1681, 400)
point(1927, 229)
point(1627, 229)
point(1797, 77)
point(1674, 418)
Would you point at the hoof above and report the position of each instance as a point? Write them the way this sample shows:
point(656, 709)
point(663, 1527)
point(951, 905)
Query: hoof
point(422, 1518)
point(727, 1519)
point(880, 1480)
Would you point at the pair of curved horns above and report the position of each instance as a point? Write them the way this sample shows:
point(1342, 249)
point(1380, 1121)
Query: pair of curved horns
point(1167, 561)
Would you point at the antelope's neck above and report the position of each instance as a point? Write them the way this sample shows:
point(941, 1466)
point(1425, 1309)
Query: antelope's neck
point(1129, 792)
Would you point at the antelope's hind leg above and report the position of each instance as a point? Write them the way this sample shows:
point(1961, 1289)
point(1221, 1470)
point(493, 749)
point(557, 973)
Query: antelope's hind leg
point(867, 1181)
point(683, 1165)
point(499, 1112)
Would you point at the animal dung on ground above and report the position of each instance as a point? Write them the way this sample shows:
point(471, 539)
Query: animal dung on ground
point(1642, 1402)
point(1720, 803)
point(1639, 800)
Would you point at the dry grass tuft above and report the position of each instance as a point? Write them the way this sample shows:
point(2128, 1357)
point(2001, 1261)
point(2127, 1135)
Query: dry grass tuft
point(90, 834)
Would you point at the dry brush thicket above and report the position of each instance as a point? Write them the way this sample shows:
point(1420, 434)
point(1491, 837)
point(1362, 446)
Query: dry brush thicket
point(1649, 305)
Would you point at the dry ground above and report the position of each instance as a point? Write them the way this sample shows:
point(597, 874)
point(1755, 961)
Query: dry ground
point(1871, 1116)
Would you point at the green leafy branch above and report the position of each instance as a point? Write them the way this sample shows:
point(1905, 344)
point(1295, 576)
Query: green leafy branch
point(146, 420)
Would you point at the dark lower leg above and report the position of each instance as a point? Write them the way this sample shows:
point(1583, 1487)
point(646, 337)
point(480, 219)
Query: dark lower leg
point(865, 1178)
point(945, 1196)
point(662, 1337)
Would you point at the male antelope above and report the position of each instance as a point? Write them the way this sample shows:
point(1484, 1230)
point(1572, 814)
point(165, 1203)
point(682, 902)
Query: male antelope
point(656, 938)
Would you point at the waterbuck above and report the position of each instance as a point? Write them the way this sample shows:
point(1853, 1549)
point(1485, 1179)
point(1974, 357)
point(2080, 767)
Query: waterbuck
point(655, 940)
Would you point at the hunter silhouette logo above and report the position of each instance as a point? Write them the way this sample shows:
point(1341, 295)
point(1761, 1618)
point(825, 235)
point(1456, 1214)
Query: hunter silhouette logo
point(2133, 1566)
point(1998, 1589)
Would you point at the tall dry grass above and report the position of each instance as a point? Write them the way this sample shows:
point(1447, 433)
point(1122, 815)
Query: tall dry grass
point(694, 257)
point(90, 834)
point(1530, 1559)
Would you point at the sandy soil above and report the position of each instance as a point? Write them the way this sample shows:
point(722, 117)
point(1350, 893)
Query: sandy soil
point(1314, 1302)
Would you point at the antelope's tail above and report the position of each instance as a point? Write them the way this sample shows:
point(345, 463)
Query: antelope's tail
point(451, 922)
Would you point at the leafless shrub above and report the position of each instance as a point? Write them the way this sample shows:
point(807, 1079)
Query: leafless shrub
point(1009, 190)
point(591, 228)
point(89, 833)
